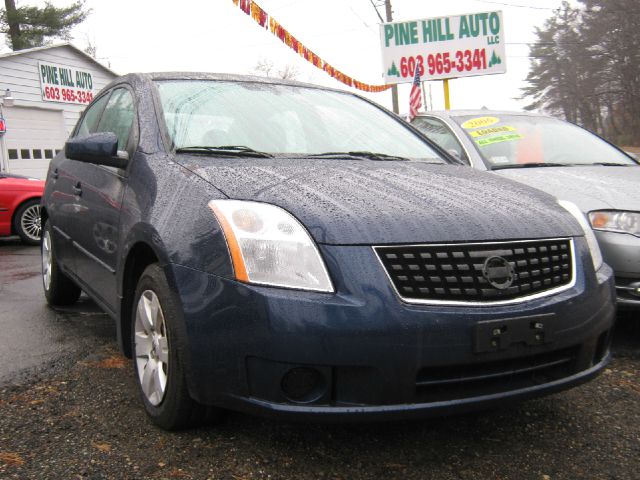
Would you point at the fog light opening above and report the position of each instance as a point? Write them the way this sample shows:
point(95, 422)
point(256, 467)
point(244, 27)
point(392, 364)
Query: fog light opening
point(303, 385)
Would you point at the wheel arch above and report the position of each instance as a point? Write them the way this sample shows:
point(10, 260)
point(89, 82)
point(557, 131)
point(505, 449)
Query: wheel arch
point(139, 257)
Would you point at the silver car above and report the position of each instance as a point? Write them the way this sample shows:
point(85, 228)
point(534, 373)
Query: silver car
point(564, 160)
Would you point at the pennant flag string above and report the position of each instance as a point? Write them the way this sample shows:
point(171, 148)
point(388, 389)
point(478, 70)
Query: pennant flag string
point(266, 21)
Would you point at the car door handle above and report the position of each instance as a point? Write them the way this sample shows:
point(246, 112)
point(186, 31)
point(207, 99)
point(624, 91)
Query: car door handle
point(54, 175)
point(77, 189)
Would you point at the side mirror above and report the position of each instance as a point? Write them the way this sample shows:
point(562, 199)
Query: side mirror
point(98, 148)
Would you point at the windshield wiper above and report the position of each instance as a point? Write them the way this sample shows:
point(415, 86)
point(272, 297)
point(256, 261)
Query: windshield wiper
point(531, 165)
point(234, 150)
point(359, 154)
point(605, 164)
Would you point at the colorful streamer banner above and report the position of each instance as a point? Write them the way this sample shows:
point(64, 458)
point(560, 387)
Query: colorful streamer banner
point(266, 21)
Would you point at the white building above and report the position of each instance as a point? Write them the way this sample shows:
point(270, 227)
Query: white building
point(49, 87)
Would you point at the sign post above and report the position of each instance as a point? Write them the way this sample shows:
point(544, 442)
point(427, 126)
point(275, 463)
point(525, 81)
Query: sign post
point(443, 48)
point(447, 103)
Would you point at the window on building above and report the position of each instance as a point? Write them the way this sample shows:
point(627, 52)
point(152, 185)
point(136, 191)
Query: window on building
point(48, 153)
point(25, 154)
point(37, 154)
point(13, 154)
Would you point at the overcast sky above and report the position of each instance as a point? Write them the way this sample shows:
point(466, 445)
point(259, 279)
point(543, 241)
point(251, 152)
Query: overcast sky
point(215, 36)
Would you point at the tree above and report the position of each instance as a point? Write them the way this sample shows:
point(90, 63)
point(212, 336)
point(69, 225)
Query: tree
point(612, 29)
point(28, 27)
point(562, 78)
point(585, 66)
point(91, 48)
point(266, 67)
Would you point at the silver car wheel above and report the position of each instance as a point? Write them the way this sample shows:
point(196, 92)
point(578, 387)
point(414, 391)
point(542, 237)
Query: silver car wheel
point(31, 223)
point(151, 348)
point(46, 261)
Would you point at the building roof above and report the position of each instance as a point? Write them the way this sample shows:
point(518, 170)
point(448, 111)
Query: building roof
point(58, 45)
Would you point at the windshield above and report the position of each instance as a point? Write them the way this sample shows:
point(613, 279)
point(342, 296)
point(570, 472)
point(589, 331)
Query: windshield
point(510, 141)
point(282, 119)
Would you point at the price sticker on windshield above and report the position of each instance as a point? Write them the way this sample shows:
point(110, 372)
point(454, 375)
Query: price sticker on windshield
point(483, 142)
point(483, 132)
point(480, 122)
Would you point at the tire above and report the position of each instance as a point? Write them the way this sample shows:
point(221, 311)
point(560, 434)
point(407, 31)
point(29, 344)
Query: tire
point(59, 290)
point(157, 357)
point(27, 223)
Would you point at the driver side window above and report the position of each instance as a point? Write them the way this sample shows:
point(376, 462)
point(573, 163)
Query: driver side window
point(118, 116)
point(91, 117)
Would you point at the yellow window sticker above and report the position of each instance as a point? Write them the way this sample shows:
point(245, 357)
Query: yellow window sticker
point(482, 142)
point(480, 122)
point(483, 132)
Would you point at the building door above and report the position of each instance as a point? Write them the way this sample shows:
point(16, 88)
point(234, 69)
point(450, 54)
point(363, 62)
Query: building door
point(33, 137)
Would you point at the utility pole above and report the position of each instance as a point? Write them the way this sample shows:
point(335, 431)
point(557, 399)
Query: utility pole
point(394, 89)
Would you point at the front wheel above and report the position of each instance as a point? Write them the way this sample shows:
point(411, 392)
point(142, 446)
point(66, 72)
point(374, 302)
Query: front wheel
point(26, 222)
point(59, 290)
point(158, 361)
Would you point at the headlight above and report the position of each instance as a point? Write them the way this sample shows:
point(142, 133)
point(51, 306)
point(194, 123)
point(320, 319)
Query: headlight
point(596, 255)
point(268, 246)
point(616, 221)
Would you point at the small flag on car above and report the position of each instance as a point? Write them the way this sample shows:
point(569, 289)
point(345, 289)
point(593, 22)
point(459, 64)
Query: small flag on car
point(415, 97)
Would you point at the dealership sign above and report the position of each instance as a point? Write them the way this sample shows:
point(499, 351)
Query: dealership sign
point(64, 84)
point(446, 47)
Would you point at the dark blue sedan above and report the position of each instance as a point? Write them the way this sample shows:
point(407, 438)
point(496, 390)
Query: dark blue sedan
point(286, 249)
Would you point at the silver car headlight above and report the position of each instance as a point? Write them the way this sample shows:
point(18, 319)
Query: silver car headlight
point(616, 221)
point(596, 255)
point(268, 246)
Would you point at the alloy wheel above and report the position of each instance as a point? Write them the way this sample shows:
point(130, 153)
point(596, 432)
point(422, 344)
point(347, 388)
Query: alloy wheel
point(151, 348)
point(46, 261)
point(31, 223)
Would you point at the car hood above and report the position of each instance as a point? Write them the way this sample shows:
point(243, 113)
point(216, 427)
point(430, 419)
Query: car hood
point(591, 188)
point(366, 202)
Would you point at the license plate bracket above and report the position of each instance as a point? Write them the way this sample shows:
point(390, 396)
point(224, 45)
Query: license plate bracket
point(496, 335)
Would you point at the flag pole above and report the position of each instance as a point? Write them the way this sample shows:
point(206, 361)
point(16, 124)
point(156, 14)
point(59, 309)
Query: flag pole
point(424, 97)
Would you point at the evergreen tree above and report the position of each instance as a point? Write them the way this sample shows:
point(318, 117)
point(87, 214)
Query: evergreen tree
point(563, 70)
point(585, 66)
point(28, 27)
point(612, 28)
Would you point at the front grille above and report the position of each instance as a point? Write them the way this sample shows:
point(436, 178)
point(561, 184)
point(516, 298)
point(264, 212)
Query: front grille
point(462, 381)
point(453, 273)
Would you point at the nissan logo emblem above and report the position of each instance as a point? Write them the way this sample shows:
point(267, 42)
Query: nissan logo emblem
point(498, 272)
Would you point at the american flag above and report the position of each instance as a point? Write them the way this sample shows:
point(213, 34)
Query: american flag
point(415, 97)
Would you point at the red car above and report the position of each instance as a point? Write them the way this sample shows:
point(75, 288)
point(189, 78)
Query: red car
point(20, 207)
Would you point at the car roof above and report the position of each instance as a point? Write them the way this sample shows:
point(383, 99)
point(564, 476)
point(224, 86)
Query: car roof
point(479, 113)
point(154, 76)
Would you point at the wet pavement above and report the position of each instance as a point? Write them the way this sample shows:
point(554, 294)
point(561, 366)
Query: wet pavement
point(69, 409)
point(34, 337)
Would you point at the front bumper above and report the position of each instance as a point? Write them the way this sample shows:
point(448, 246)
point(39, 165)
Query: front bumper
point(374, 356)
point(415, 410)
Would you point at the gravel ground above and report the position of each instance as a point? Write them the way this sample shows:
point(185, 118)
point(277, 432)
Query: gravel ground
point(86, 422)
